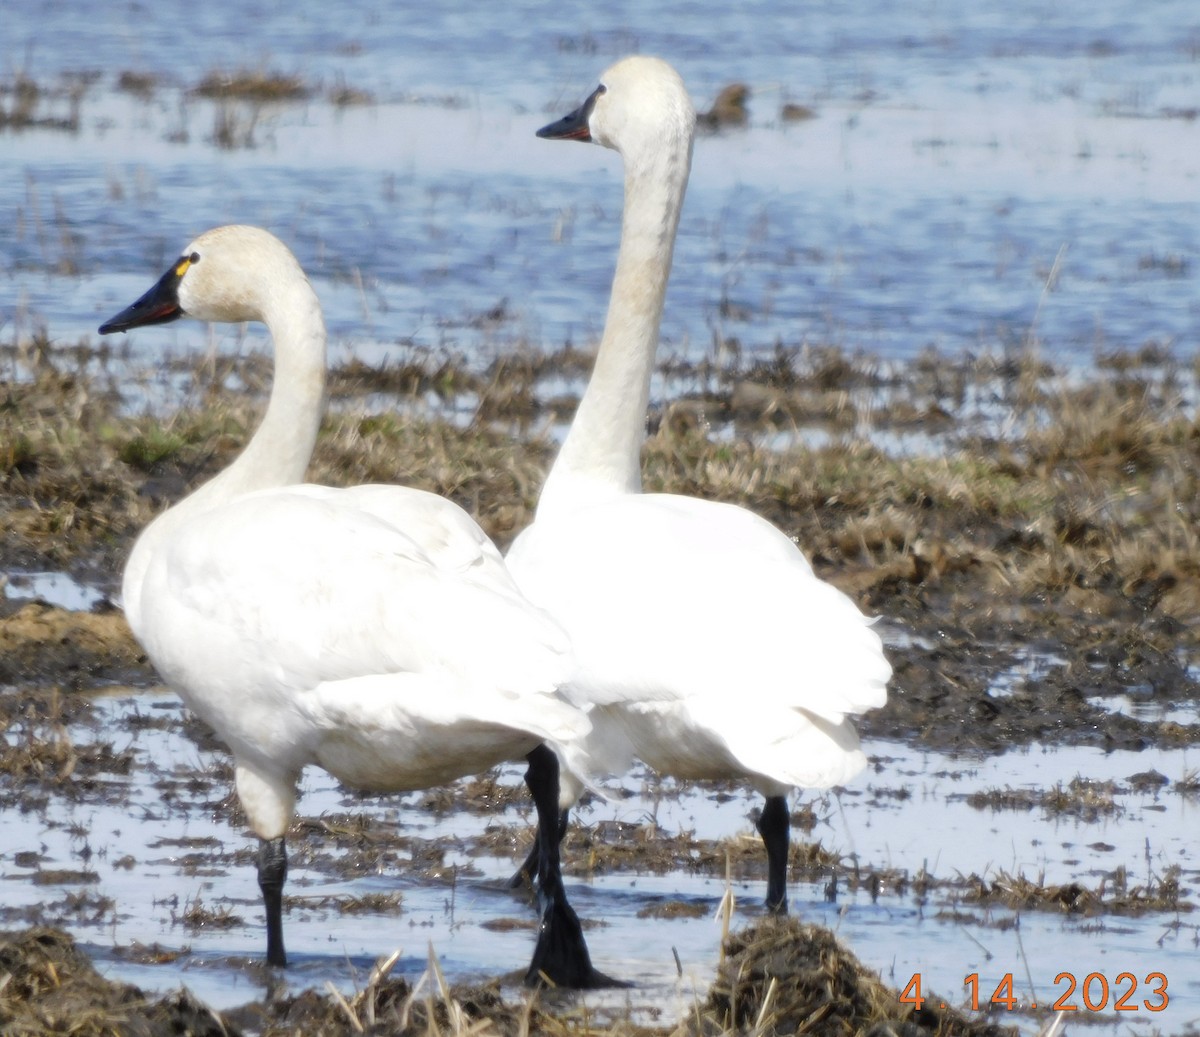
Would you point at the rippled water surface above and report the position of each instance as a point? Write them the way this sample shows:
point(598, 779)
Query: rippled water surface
point(976, 176)
point(154, 847)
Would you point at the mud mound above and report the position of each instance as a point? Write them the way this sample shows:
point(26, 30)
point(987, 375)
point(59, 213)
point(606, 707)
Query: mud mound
point(41, 644)
point(394, 1008)
point(785, 977)
point(781, 977)
point(48, 986)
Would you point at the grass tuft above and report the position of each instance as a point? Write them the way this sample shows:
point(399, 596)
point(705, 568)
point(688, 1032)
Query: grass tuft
point(252, 85)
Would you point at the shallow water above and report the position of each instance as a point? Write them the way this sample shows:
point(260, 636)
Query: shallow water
point(987, 176)
point(54, 588)
point(155, 847)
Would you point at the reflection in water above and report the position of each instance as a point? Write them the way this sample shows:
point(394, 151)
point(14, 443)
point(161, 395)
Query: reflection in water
point(155, 845)
point(57, 589)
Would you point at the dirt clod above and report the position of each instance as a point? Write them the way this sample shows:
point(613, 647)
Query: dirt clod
point(786, 977)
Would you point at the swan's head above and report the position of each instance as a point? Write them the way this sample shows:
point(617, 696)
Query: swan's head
point(641, 106)
point(225, 275)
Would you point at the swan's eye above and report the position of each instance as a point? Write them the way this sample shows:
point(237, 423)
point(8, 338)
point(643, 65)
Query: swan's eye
point(194, 257)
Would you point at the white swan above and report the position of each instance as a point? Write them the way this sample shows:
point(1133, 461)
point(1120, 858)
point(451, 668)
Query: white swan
point(373, 631)
point(704, 639)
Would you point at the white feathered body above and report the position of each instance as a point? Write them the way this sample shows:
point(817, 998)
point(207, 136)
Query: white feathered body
point(707, 644)
point(373, 631)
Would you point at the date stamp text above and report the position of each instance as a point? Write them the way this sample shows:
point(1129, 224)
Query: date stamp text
point(1095, 992)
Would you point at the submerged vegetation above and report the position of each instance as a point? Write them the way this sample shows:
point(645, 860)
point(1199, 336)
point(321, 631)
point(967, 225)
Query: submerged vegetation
point(240, 99)
point(252, 85)
point(26, 104)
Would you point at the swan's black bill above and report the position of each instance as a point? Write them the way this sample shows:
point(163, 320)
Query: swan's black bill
point(573, 126)
point(160, 305)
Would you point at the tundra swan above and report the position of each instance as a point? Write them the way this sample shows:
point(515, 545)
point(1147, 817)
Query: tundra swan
point(371, 631)
point(703, 639)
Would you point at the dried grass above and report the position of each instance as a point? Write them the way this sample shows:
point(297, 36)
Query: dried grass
point(252, 85)
point(1112, 896)
point(785, 977)
point(781, 977)
point(26, 104)
point(1073, 525)
point(48, 986)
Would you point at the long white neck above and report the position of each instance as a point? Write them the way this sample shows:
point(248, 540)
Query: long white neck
point(280, 449)
point(601, 456)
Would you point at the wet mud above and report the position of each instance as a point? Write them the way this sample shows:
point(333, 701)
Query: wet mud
point(1027, 580)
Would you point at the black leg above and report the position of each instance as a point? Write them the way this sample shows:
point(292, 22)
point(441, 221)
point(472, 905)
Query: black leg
point(774, 825)
point(527, 872)
point(272, 873)
point(561, 955)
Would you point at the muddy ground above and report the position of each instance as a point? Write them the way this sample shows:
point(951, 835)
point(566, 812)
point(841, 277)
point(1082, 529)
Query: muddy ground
point(989, 508)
